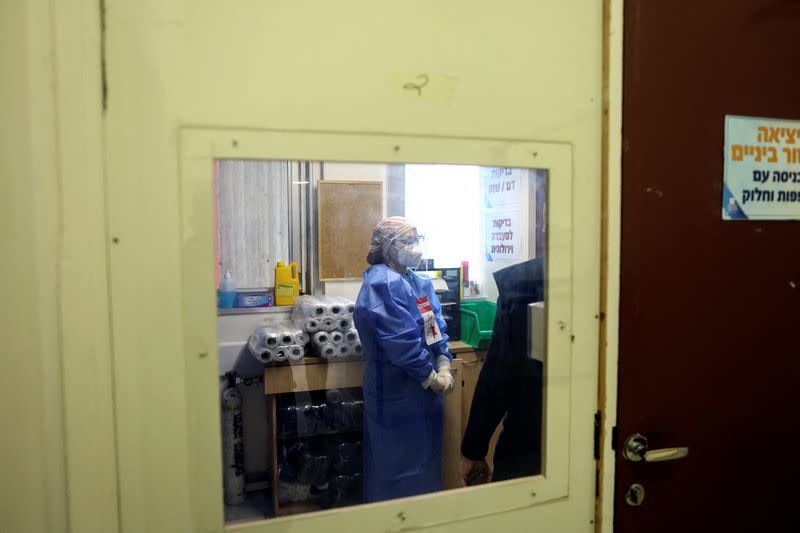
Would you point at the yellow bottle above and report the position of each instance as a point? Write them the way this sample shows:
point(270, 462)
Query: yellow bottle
point(287, 283)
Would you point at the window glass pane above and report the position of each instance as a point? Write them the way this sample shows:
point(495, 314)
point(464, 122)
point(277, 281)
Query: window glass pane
point(358, 389)
point(253, 210)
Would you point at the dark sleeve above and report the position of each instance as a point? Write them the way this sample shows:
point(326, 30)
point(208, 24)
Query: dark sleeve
point(489, 403)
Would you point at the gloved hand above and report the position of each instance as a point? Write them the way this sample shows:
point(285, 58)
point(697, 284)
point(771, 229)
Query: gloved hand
point(441, 383)
point(444, 370)
point(437, 382)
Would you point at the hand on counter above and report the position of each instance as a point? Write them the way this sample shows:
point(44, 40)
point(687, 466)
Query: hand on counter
point(475, 472)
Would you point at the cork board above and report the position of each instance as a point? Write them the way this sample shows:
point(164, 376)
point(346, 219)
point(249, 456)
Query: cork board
point(347, 212)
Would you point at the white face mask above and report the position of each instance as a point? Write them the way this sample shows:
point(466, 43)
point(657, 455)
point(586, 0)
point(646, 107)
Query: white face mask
point(410, 257)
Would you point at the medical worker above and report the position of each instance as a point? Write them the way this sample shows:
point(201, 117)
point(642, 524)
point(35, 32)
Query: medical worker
point(406, 367)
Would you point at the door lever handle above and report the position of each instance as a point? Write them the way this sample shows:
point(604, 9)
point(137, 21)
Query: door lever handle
point(636, 450)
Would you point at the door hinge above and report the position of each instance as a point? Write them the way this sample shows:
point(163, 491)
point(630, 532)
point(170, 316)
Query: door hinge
point(598, 418)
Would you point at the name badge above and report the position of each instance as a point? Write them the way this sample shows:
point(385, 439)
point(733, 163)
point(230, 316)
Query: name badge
point(432, 333)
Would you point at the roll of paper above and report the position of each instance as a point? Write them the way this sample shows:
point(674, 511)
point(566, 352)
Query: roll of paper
point(281, 354)
point(260, 351)
point(357, 348)
point(351, 336)
point(344, 324)
point(295, 352)
point(344, 350)
point(286, 338)
point(311, 325)
point(263, 355)
point(321, 338)
point(302, 338)
point(327, 324)
point(271, 339)
point(336, 337)
point(328, 351)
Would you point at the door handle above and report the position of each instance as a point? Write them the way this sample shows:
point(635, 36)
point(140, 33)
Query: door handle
point(636, 450)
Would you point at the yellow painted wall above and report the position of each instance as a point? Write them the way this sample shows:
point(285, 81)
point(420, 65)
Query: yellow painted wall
point(32, 495)
point(510, 69)
point(57, 460)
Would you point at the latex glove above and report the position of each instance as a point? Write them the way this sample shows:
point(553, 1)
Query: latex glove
point(444, 370)
point(475, 472)
point(440, 384)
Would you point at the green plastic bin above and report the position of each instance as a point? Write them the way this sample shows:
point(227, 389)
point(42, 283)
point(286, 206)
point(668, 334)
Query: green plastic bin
point(477, 321)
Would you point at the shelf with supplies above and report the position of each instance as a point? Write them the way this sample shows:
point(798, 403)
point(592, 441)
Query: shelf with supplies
point(315, 417)
point(315, 375)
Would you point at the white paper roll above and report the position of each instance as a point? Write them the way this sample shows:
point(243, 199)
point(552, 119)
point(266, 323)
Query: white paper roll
point(311, 325)
point(336, 310)
point(295, 352)
point(321, 338)
point(328, 351)
point(344, 323)
point(357, 348)
point(263, 355)
point(281, 354)
point(336, 337)
point(271, 339)
point(302, 338)
point(351, 336)
point(327, 324)
point(267, 355)
point(344, 350)
point(259, 350)
point(286, 338)
point(351, 308)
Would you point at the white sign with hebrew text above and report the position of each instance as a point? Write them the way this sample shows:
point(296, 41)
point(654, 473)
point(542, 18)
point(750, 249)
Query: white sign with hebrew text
point(762, 169)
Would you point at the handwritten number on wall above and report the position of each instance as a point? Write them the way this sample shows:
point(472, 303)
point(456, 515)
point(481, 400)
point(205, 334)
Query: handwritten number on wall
point(422, 81)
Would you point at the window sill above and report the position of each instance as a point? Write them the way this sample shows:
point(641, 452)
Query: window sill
point(254, 310)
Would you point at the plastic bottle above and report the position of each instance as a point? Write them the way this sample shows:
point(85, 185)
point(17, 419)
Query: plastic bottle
point(227, 291)
point(464, 278)
point(287, 283)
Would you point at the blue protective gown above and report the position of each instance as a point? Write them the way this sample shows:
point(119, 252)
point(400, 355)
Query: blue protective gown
point(402, 421)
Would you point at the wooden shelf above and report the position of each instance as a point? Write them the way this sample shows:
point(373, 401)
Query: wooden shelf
point(313, 376)
point(286, 509)
point(312, 360)
point(460, 347)
point(315, 435)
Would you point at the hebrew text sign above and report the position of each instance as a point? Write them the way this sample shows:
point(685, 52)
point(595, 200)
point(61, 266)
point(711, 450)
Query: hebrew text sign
point(762, 169)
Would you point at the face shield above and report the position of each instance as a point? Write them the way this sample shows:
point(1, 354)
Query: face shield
point(407, 250)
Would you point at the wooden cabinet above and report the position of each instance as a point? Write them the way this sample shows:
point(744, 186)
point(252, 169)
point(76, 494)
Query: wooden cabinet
point(310, 374)
point(314, 374)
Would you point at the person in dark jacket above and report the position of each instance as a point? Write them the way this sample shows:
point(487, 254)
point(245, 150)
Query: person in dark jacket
point(509, 387)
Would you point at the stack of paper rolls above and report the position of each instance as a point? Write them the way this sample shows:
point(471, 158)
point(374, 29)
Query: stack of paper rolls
point(328, 321)
point(278, 341)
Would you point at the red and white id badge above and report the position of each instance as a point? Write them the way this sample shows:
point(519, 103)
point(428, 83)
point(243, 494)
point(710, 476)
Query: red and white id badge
point(432, 333)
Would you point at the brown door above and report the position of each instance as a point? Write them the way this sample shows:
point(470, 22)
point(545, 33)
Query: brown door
point(710, 310)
